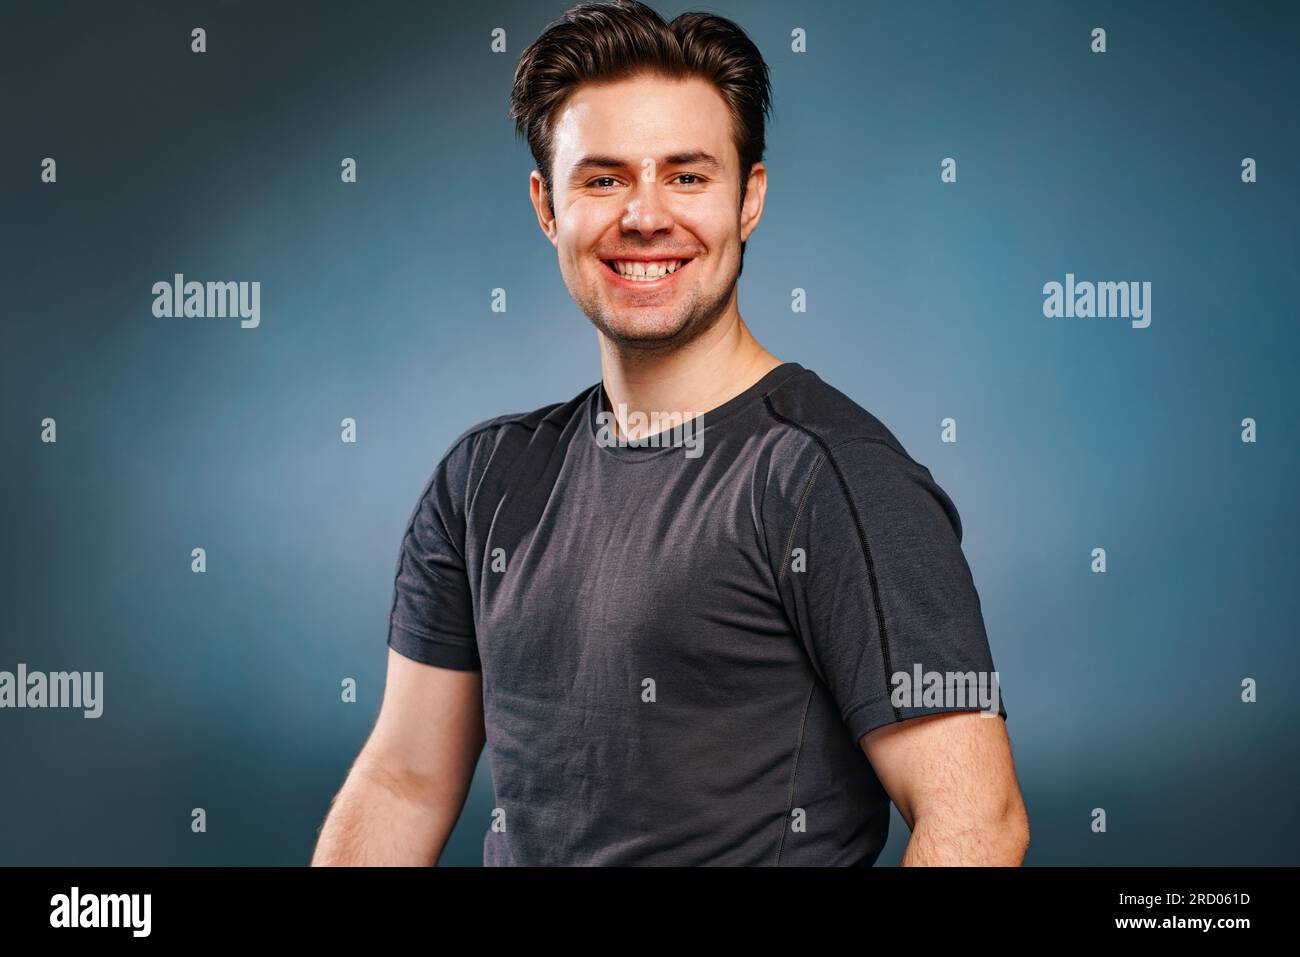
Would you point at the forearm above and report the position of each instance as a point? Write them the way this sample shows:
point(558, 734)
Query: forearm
point(382, 819)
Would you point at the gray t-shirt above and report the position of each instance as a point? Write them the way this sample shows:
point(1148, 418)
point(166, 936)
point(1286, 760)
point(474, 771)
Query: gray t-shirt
point(682, 644)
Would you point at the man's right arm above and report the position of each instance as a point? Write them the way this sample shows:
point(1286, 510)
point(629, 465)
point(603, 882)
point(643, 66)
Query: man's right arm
point(408, 785)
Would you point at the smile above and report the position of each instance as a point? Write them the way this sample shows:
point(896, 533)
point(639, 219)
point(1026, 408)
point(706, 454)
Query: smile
point(641, 273)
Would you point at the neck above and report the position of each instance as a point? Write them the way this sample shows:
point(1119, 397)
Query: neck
point(703, 374)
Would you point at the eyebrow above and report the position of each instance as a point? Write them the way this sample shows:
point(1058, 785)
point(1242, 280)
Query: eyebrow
point(693, 158)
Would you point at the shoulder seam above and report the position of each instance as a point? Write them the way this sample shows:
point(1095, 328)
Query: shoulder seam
point(502, 421)
point(798, 516)
point(828, 452)
point(786, 381)
point(891, 443)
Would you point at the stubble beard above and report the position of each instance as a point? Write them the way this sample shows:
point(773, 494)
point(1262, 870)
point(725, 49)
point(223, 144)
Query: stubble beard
point(701, 314)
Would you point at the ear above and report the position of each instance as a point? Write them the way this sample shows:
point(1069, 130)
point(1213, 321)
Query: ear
point(542, 205)
point(755, 191)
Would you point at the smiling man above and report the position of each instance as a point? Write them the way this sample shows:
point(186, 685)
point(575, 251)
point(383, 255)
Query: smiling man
point(675, 658)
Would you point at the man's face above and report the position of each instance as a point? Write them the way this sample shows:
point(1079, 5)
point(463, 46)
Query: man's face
point(645, 174)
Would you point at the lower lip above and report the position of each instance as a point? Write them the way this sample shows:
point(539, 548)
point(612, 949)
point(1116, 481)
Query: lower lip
point(647, 285)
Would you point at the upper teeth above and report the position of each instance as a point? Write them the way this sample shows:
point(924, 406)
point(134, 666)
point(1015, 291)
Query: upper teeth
point(644, 270)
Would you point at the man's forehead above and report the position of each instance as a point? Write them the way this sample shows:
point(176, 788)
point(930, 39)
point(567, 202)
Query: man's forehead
point(699, 158)
point(608, 124)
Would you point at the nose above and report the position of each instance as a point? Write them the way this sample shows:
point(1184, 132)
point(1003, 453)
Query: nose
point(648, 210)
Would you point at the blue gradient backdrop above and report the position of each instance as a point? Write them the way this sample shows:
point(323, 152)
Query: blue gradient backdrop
point(925, 301)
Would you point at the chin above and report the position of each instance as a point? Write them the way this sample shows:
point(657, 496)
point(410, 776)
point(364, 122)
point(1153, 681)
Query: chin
point(645, 334)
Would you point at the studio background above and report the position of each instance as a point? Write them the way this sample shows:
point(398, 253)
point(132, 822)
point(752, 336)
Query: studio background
point(222, 689)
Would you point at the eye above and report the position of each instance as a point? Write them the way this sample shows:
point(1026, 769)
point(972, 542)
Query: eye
point(695, 176)
point(599, 179)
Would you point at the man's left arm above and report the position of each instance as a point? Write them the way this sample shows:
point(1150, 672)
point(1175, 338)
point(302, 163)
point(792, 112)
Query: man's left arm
point(884, 600)
point(953, 780)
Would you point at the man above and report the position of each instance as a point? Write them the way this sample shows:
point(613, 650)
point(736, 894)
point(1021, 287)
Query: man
point(685, 645)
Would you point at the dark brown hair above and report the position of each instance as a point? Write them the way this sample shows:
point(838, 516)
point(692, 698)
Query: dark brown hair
point(623, 38)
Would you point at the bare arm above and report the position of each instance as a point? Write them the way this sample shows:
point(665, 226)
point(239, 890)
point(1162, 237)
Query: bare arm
point(952, 779)
point(408, 785)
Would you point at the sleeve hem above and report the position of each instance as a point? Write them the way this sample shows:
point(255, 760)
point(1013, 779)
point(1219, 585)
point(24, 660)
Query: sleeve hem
point(431, 650)
point(878, 711)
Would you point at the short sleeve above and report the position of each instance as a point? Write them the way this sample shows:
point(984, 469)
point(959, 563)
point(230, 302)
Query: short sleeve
point(432, 618)
point(873, 578)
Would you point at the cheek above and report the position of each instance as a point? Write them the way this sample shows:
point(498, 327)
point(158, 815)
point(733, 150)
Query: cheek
point(571, 249)
point(577, 240)
point(716, 227)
